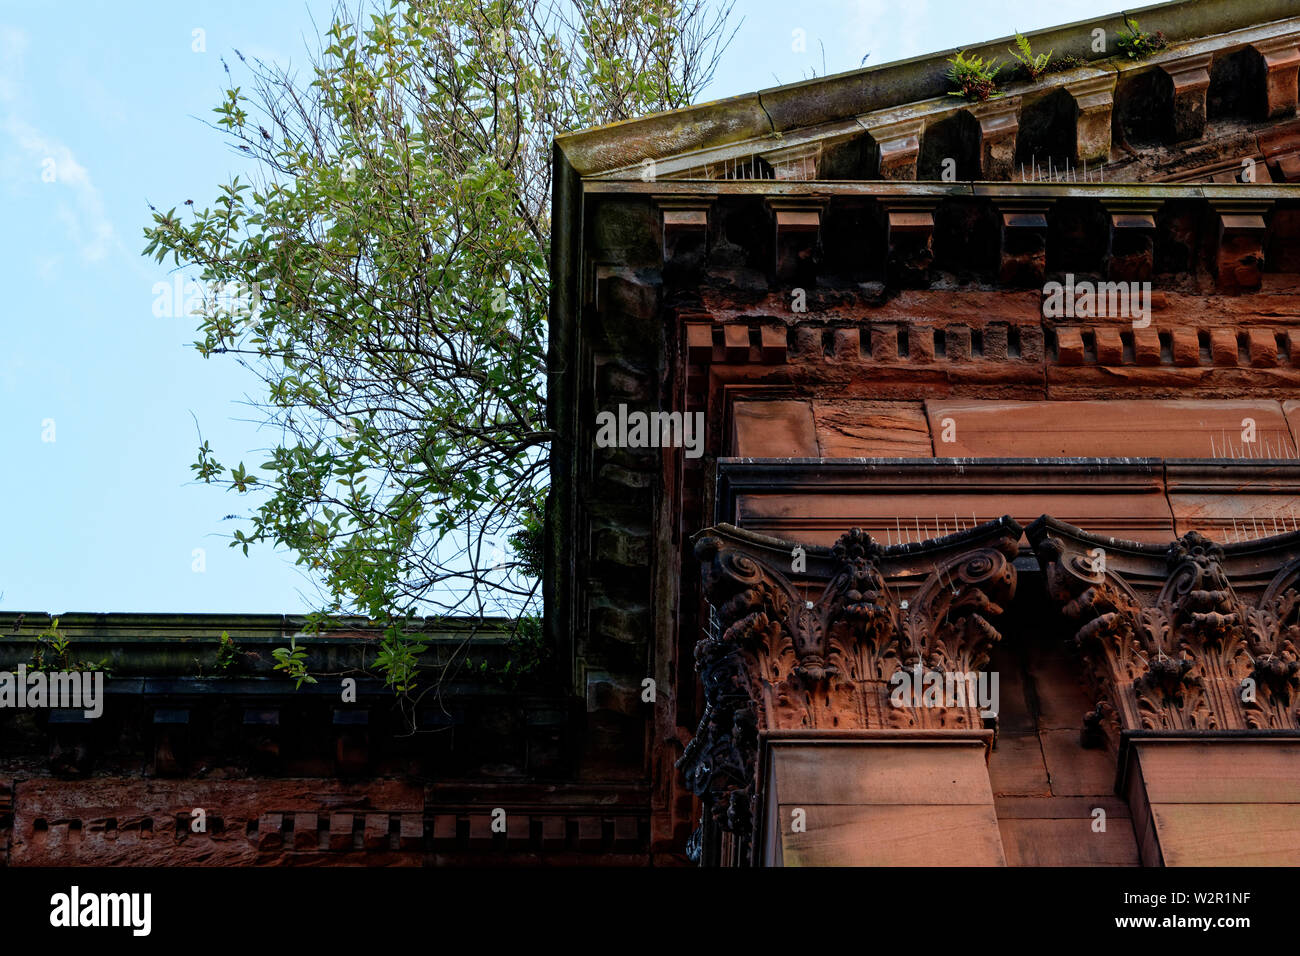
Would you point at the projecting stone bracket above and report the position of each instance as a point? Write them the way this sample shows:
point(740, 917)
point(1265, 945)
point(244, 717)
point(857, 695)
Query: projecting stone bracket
point(171, 728)
point(351, 740)
point(1191, 80)
point(73, 738)
point(1239, 260)
point(899, 145)
point(1281, 56)
point(999, 122)
point(1281, 149)
point(1130, 252)
point(797, 162)
point(1094, 96)
point(685, 224)
point(911, 242)
point(797, 239)
point(1022, 258)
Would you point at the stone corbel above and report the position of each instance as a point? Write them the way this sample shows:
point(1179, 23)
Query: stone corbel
point(685, 221)
point(1094, 96)
point(797, 163)
point(798, 234)
point(899, 144)
point(999, 122)
point(351, 741)
point(1281, 56)
point(1239, 260)
point(911, 241)
point(171, 741)
point(1281, 149)
point(816, 648)
point(1177, 642)
point(1191, 79)
point(1130, 254)
point(1023, 254)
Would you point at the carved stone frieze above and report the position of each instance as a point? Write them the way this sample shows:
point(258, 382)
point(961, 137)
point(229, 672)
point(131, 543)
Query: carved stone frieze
point(1201, 638)
point(810, 638)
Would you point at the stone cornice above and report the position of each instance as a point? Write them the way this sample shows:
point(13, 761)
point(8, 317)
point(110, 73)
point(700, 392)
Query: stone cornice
point(881, 189)
point(766, 115)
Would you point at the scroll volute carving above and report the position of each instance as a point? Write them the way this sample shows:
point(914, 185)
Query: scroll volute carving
point(816, 648)
point(1170, 641)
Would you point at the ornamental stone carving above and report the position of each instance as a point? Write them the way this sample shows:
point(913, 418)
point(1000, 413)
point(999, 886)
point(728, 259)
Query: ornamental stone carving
point(816, 648)
point(1199, 638)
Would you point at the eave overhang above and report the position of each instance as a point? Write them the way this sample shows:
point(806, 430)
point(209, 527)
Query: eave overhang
point(833, 106)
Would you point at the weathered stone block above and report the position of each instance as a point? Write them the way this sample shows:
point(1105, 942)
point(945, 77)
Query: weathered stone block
point(1223, 347)
point(1110, 347)
point(1146, 346)
point(1186, 347)
point(1069, 347)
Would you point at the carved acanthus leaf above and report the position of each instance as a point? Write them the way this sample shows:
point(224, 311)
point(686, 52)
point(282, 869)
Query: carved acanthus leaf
point(787, 652)
point(1197, 657)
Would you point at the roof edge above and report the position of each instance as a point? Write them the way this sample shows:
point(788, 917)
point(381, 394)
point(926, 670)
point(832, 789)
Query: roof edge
point(844, 95)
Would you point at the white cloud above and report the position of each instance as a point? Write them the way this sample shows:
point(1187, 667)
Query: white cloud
point(13, 43)
point(45, 266)
point(30, 153)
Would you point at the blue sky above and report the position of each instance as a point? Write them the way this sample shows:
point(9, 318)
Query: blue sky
point(109, 101)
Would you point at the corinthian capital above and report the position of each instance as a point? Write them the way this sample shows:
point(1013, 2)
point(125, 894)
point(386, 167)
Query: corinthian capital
point(811, 637)
point(1192, 636)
